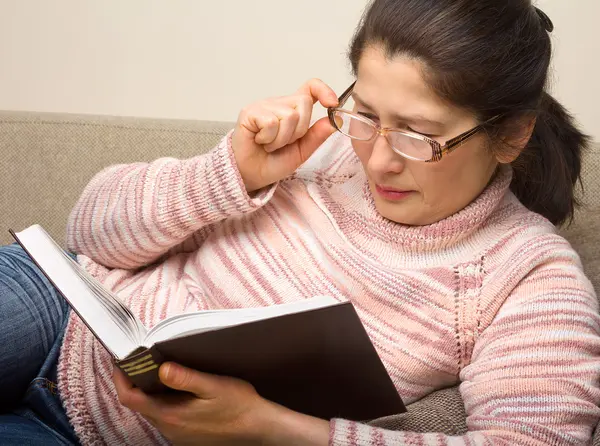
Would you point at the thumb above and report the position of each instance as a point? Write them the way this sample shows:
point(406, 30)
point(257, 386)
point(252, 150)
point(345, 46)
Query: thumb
point(185, 379)
point(315, 137)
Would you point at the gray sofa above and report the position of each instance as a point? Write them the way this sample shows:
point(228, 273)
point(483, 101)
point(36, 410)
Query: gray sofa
point(47, 159)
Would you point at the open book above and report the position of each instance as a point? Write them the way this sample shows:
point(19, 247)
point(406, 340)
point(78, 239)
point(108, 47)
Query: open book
point(312, 356)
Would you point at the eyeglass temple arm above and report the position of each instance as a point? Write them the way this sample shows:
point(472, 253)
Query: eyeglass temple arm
point(455, 142)
point(341, 101)
point(345, 95)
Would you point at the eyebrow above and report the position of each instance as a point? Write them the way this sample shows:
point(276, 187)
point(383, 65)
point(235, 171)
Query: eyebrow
point(400, 118)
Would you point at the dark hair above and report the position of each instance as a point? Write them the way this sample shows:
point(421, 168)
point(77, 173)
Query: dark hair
point(492, 58)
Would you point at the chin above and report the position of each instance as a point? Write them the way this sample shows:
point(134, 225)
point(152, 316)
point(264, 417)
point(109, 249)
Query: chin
point(393, 212)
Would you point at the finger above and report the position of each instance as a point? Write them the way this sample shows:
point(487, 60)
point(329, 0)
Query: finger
point(288, 121)
point(132, 397)
point(121, 381)
point(178, 377)
point(319, 91)
point(304, 106)
point(267, 124)
point(314, 138)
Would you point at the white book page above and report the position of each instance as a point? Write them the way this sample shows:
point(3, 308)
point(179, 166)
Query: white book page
point(198, 322)
point(108, 321)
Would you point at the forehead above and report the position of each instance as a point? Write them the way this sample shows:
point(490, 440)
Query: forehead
point(397, 85)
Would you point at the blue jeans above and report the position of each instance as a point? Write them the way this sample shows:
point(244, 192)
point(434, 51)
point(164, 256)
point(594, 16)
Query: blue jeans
point(33, 317)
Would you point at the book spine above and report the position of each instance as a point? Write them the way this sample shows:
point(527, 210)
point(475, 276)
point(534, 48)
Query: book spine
point(141, 367)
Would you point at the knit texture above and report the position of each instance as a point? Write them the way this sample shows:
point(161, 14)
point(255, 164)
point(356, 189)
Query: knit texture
point(490, 297)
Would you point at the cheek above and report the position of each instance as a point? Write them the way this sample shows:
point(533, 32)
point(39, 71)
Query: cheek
point(435, 182)
point(363, 151)
point(457, 180)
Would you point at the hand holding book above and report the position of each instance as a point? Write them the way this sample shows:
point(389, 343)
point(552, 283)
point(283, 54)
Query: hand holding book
point(218, 410)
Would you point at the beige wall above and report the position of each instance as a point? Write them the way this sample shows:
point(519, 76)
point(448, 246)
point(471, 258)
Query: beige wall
point(202, 59)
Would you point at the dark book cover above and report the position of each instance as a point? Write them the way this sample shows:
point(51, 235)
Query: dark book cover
point(319, 362)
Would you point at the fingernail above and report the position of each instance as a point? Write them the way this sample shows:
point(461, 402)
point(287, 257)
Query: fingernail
point(166, 371)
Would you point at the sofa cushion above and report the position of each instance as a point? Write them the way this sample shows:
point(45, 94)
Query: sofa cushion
point(584, 232)
point(442, 411)
point(48, 159)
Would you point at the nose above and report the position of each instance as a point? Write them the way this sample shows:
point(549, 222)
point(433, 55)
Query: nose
point(383, 159)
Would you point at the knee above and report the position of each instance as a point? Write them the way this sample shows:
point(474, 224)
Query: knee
point(14, 259)
point(13, 251)
point(21, 278)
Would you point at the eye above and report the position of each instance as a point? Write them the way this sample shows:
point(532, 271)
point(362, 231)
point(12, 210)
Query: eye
point(421, 133)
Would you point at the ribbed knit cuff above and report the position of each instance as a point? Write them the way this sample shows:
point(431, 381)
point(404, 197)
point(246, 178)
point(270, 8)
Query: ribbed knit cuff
point(342, 433)
point(350, 433)
point(217, 191)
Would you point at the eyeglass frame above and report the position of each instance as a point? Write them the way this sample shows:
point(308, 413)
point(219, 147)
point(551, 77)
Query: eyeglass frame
point(438, 151)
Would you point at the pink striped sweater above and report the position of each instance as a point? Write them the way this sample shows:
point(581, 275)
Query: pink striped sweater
point(490, 298)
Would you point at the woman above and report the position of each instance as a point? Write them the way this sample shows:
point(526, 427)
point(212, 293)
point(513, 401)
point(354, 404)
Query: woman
point(431, 208)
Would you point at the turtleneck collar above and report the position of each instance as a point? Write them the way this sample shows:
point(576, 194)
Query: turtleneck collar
point(351, 208)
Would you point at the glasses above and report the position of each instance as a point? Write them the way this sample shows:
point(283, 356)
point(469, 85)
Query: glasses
point(408, 144)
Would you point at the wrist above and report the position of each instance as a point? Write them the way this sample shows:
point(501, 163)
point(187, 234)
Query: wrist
point(277, 425)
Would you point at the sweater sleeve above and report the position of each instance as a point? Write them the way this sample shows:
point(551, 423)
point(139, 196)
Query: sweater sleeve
point(534, 374)
point(130, 215)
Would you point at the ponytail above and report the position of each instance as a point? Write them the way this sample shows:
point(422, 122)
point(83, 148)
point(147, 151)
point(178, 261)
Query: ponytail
point(547, 171)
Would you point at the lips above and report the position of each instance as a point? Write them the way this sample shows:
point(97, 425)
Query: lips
point(392, 189)
point(392, 194)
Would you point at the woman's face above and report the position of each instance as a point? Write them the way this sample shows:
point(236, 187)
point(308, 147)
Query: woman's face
point(388, 89)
